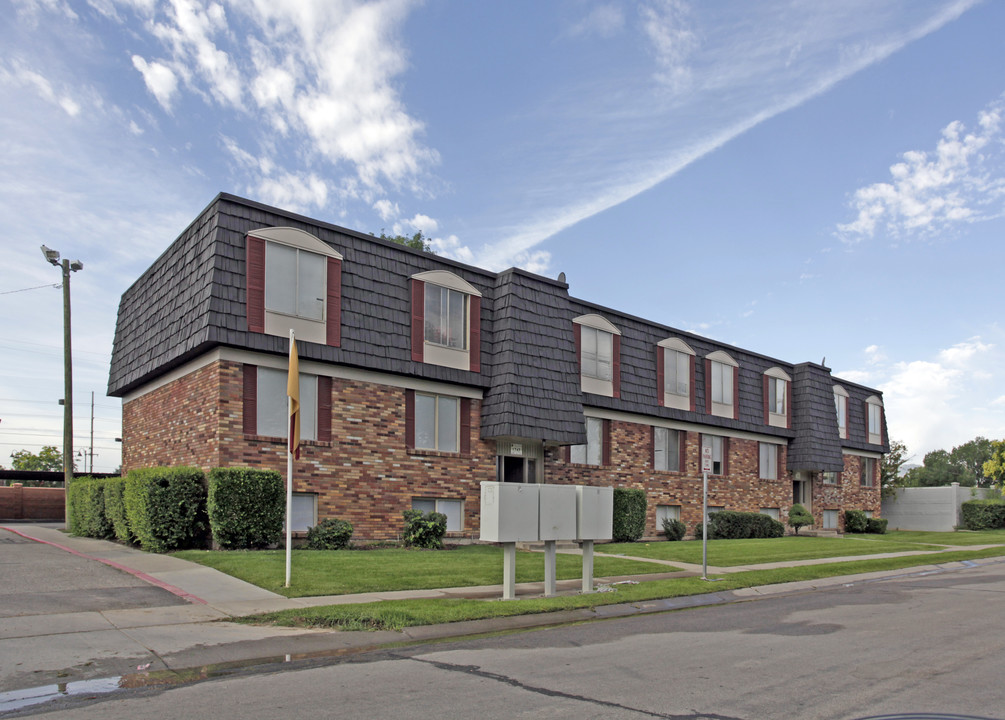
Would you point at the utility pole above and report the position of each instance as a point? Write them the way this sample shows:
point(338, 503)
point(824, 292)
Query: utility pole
point(67, 266)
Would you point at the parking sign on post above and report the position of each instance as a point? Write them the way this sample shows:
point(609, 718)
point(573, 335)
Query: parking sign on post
point(706, 459)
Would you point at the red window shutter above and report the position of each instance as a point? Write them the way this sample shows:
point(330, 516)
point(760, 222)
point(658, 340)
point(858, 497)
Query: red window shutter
point(788, 404)
point(882, 435)
point(324, 408)
point(767, 390)
point(736, 393)
point(250, 400)
point(255, 296)
point(652, 446)
point(418, 312)
point(660, 375)
point(692, 380)
point(577, 336)
point(465, 426)
point(682, 461)
point(725, 456)
point(410, 419)
point(708, 386)
point(865, 410)
point(606, 450)
point(567, 453)
point(333, 324)
point(616, 370)
point(475, 333)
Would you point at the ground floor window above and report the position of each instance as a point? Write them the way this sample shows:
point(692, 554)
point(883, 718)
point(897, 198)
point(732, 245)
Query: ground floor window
point(830, 519)
point(273, 405)
point(770, 512)
point(453, 509)
point(718, 445)
point(868, 478)
point(304, 512)
point(830, 478)
point(666, 449)
point(593, 452)
point(437, 422)
point(769, 461)
point(666, 512)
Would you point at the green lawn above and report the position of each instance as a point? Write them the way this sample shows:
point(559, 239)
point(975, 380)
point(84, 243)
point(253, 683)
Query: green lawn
point(397, 614)
point(729, 553)
point(339, 572)
point(960, 538)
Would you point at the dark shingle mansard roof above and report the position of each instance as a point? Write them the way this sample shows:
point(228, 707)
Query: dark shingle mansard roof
point(814, 419)
point(193, 298)
point(535, 373)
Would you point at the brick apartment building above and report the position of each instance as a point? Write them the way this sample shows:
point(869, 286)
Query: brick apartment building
point(422, 376)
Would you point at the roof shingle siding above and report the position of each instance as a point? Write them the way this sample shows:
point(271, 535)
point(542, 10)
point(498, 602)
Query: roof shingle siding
point(535, 376)
point(816, 446)
point(194, 298)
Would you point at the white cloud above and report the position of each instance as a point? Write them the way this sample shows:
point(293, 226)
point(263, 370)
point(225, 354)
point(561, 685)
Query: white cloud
point(961, 181)
point(602, 21)
point(874, 354)
point(451, 247)
point(665, 24)
point(17, 74)
point(293, 191)
point(160, 80)
point(386, 209)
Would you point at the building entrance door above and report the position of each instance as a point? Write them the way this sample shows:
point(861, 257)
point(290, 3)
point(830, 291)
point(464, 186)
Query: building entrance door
point(520, 462)
point(802, 489)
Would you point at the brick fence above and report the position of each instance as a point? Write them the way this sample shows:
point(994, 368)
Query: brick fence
point(32, 503)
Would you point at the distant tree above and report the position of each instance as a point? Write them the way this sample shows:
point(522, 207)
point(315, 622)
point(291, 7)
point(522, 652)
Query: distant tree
point(971, 457)
point(417, 241)
point(893, 461)
point(938, 470)
point(994, 468)
point(48, 458)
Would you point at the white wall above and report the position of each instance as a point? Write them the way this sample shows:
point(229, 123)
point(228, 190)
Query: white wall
point(929, 508)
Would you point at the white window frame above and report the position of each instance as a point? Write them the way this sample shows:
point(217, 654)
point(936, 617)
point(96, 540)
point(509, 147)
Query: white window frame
point(434, 429)
point(272, 404)
point(592, 453)
point(666, 512)
point(779, 383)
point(841, 408)
point(773, 513)
point(874, 420)
point(596, 338)
point(453, 508)
point(449, 285)
point(719, 383)
point(304, 512)
point(830, 477)
point(279, 322)
point(716, 443)
point(666, 445)
point(450, 332)
point(867, 471)
point(831, 519)
point(768, 461)
point(677, 362)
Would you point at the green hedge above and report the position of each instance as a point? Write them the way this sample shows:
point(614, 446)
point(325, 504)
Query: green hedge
point(855, 521)
point(674, 529)
point(246, 507)
point(876, 526)
point(629, 514)
point(983, 514)
point(166, 507)
point(733, 525)
point(335, 534)
point(115, 509)
point(424, 530)
point(87, 508)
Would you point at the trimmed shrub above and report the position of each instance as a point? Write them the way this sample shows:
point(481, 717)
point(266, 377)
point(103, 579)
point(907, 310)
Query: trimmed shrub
point(74, 501)
point(333, 534)
point(87, 498)
point(732, 525)
point(115, 509)
point(629, 514)
point(424, 530)
point(799, 517)
point(166, 507)
point(855, 521)
point(246, 507)
point(876, 526)
point(674, 529)
point(983, 514)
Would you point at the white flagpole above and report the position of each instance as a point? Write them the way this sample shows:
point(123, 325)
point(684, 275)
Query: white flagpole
point(289, 483)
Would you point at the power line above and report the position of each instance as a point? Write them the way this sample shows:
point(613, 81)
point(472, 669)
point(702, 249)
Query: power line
point(37, 287)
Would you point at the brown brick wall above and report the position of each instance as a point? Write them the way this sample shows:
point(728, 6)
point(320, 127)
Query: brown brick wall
point(32, 503)
point(367, 476)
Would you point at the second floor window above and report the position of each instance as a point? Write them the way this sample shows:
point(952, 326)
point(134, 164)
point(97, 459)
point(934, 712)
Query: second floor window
point(677, 372)
point(294, 281)
point(776, 395)
point(722, 383)
point(597, 353)
point(445, 315)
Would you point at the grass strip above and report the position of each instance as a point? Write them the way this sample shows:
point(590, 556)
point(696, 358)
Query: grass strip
point(399, 614)
point(342, 572)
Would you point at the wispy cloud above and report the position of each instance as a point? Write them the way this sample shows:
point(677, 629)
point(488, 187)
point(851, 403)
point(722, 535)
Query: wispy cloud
point(961, 181)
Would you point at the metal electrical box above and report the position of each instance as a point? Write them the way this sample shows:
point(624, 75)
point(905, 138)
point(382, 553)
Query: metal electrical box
point(596, 512)
point(509, 512)
point(557, 512)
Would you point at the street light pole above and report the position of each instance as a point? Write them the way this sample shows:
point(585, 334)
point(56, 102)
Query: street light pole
point(66, 266)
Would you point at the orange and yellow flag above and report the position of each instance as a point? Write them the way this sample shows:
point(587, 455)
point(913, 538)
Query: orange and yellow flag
point(293, 391)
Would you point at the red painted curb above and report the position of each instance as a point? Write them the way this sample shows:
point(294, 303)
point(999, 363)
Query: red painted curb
point(118, 566)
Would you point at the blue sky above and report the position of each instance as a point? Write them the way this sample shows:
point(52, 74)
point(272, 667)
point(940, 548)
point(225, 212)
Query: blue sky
point(802, 179)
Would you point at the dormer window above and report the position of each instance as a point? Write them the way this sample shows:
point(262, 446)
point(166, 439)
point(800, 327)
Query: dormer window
point(841, 407)
point(446, 321)
point(675, 374)
point(294, 282)
point(776, 397)
point(874, 420)
point(721, 378)
point(598, 343)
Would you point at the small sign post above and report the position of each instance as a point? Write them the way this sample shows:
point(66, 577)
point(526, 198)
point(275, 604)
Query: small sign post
point(706, 468)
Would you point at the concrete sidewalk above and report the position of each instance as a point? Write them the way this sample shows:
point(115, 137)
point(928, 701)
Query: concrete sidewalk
point(160, 643)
